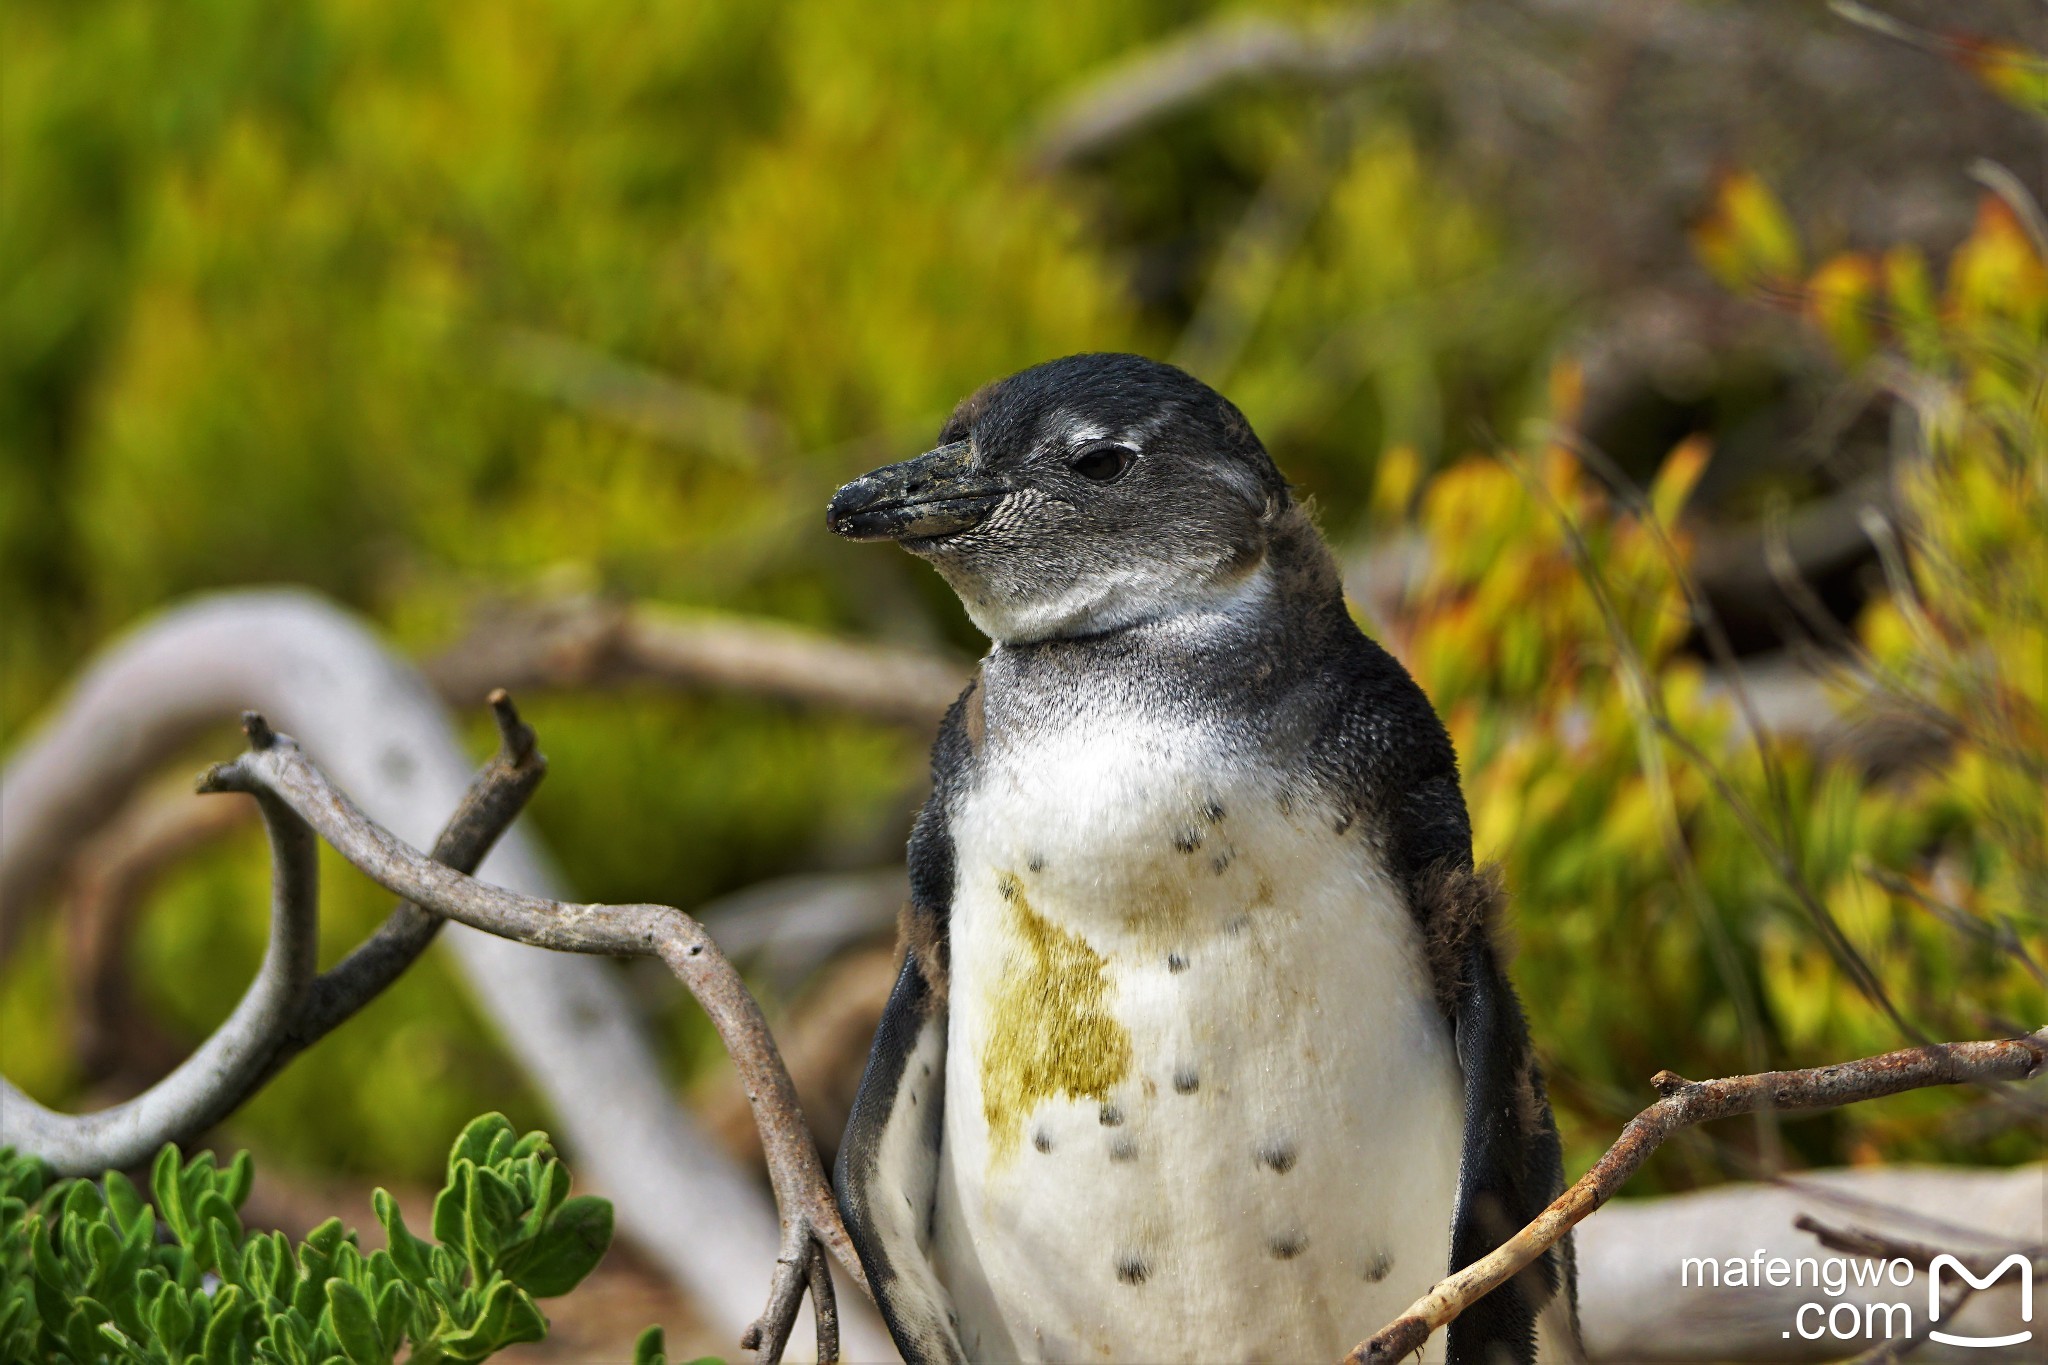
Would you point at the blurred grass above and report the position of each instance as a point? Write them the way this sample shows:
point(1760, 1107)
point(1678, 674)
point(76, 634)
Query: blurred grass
point(274, 276)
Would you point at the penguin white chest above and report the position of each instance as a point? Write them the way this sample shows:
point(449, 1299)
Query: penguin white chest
point(1199, 1101)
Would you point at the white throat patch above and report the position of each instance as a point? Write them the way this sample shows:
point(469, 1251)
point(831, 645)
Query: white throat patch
point(1143, 593)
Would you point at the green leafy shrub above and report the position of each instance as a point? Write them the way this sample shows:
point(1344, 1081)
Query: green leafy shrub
point(1686, 893)
point(87, 1277)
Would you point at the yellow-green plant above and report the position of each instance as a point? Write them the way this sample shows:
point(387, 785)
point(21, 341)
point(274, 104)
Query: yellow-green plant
point(422, 305)
point(1691, 893)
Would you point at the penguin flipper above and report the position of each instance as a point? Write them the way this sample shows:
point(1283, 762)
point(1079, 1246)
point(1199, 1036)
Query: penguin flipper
point(889, 1159)
point(889, 1167)
point(1512, 1164)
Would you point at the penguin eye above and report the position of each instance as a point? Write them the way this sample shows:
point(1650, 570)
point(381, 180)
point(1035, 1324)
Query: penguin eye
point(1102, 461)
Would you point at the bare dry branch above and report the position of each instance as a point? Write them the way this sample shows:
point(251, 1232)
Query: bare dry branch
point(379, 729)
point(825, 1039)
point(275, 769)
point(1684, 1104)
point(227, 1067)
point(494, 799)
point(1191, 68)
point(590, 643)
point(287, 1008)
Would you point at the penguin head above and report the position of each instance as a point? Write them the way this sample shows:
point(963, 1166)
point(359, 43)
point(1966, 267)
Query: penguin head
point(1081, 496)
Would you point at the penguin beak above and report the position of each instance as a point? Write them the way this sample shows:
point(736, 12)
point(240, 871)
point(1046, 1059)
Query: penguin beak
point(939, 493)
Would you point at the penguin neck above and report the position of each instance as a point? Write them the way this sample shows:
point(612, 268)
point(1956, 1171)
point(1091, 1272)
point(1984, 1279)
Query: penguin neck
point(1250, 641)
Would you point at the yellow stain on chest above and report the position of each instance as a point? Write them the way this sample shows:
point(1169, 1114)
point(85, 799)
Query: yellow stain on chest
point(1050, 1032)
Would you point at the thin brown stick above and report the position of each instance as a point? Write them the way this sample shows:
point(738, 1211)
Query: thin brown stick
point(591, 642)
point(1684, 1104)
point(276, 769)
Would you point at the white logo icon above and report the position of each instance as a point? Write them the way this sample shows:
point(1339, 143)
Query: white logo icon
point(2013, 1262)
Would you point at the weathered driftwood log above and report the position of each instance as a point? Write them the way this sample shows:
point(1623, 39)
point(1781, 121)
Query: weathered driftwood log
point(385, 737)
point(1640, 1293)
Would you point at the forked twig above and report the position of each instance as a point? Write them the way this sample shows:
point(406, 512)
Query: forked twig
point(287, 1008)
point(495, 797)
point(277, 772)
point(370, 715)
point(1684, 1104)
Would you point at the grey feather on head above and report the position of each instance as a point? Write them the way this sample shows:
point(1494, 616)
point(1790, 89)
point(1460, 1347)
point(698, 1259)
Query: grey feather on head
point(1080, 496)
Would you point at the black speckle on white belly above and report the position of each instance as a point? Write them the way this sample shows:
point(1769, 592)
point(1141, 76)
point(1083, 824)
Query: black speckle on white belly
point(1269, 1171)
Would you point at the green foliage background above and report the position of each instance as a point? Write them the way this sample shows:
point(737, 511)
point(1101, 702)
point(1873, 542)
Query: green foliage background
point(84, 1277)
point(331, 294)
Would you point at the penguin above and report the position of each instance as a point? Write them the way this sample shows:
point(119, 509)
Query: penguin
point(1203, 1046)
